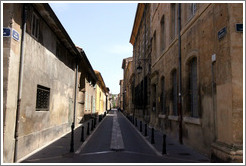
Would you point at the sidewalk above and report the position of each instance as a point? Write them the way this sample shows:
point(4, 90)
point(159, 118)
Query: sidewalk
point(61, 147)
point(173, 148)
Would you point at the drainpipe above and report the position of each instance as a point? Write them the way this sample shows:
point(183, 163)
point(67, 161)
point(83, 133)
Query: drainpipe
point(180, 77)
point(74, 113)
point(20, 81)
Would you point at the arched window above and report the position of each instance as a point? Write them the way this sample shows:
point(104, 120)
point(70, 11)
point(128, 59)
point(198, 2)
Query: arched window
point(174, 93)
point(193, 88)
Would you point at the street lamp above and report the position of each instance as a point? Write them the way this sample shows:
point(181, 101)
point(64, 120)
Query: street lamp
point(139, 69)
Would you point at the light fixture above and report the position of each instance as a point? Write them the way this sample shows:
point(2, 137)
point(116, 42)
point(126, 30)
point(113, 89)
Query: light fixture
point(139, 69)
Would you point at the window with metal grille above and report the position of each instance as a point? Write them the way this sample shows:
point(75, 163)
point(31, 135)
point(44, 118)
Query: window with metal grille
point(174, 93)
point(193, 89)
point(35, 25)
point(43, 98)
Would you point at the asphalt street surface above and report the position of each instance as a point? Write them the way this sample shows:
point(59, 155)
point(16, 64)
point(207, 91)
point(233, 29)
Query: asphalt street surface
point(97, 148)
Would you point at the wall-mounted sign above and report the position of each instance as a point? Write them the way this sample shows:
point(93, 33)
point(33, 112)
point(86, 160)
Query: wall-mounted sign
point(6, 32)
point(222, 33)
point(15, 35)
point(239, 27)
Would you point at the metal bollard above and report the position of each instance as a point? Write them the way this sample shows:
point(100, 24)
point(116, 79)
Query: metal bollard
point(92, 125)
point(152, 137)
point(95, 122)
point(136, 122)
point(88, 128)
point(82, 134)
point(141, 126)
point(164, 151)
point(145, 131)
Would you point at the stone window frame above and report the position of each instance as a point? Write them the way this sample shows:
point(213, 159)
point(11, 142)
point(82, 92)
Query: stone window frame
point(188, 118)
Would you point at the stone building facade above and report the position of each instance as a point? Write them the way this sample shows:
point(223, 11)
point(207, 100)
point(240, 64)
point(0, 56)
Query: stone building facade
point(101, 91)
point(141, 41)
point(127, 85)
point(40, 70)
point(86, 94)
point(196, 76)
point(121, 95)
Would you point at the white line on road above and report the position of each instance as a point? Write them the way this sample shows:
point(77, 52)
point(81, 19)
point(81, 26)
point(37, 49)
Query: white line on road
point(116, 138)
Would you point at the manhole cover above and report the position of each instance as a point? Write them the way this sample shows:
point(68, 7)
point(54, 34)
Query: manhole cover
point(184, 154)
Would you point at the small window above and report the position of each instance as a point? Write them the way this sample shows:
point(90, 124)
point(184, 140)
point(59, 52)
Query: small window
point(43, 98)
point(35, 25)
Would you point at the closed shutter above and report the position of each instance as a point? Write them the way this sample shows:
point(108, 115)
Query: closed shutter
point(194, 88)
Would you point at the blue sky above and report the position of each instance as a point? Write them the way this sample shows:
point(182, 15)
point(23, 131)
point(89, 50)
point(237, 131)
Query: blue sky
point(103, 30)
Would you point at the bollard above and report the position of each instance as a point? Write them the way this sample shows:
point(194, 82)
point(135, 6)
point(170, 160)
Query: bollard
point(88, 129)
point(136, 122)
point(145, 131)
point(152, 137)
point(82, 134)
point(92, 125)
point(100, 118)
point(72, 138)
point(140, 126)
point(164, 151)
point(95, 122)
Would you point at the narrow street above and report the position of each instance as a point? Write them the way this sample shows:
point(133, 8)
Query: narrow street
point(98, 147)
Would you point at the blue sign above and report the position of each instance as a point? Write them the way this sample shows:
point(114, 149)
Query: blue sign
point(6, 32)
point(15, 35)
point(222, 33)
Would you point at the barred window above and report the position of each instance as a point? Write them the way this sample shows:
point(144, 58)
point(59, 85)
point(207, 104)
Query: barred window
point(43, 98)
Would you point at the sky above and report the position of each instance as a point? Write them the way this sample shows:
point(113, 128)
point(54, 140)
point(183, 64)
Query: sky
point(103, 30)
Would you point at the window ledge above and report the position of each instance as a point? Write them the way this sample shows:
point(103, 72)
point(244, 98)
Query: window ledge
point(172, 117)
point(162, 116)
point(192, 120)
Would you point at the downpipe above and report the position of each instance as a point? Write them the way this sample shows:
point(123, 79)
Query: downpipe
point(74, 113)
point(180, 78)
point(20, 82)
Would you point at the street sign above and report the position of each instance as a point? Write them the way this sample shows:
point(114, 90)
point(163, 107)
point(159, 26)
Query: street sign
point(15, 35)
point(6, 32)
point(239, 27)
point(222, 33)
